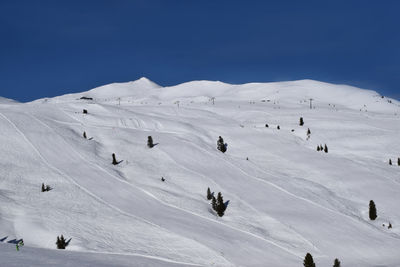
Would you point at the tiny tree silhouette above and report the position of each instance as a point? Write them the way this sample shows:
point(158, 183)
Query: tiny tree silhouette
point(390, 161)
point(301, 123)
point(114, 161)
point(213, 203)
point(308, 261)
point(308, 131)
point(220, 145)
point(209, 195)
point(220, 207)
point(398, 161)
point(278, 127)
point(336, 263)
point(43, 188)
point(84, 135)
point(85, 111)
point(372, 210)
point(318, 148)
point(150, 142)
point(326, 149)
point(61, 242)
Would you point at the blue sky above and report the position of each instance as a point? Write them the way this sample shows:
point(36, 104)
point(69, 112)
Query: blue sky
point(49, 48)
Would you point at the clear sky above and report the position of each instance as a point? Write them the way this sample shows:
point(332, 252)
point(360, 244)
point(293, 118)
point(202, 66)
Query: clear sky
point(49, 48)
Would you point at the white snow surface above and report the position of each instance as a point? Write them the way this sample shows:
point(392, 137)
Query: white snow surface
point(286, 200)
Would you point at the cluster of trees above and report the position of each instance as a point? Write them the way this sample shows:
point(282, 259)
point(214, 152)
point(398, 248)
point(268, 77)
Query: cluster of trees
point(45, 188)
point(61, 242)
point(150, 144)
point(322, 148)
point(309, 261)
point(398, 161)
point(217, 203)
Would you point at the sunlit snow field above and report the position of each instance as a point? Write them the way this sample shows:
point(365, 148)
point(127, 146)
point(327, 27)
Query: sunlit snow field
point(285, 197)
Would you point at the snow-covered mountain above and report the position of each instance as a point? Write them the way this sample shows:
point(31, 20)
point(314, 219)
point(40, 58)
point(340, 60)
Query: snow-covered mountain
point(285, 198)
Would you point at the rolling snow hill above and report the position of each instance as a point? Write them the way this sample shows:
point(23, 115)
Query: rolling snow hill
point(285, 197)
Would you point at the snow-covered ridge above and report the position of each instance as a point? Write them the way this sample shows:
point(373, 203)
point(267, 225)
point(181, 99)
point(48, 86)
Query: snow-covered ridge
point(291, 92)
point(286, 198)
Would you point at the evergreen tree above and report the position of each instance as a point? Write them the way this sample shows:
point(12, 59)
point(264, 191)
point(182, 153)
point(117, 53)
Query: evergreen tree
point(336, 263)
point(301, 121)
point(84, 135)
point(114, 160)
point(308, 261)
point(150, 142)
point(326, 149)
point(220, 145)
point(398, 161)
point(390, 161)
point(214, 203)
point(220, 209)
point(209, 195)
point(61, 243)
point(372, 210)
point(278, 127)
point(43, 188)
point(308, 131)
point(318, 148)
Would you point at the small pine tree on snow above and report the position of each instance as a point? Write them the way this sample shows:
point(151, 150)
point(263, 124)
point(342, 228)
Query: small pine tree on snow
point(336, 263)
point(214, 203)
point(301, 121)
point(308, 131)
point(209, 195)
point(266, 125)
point(150, 142)
point(372, 210)
point(220, 208)
point(390, 161)
point(278, 127)
point(326, 149)
point(114, 161)
point(398, 161)
point(85, 111)
point(61, 243)
point(308, 261)
point(318, 148)
point(84, 135)
point(220, 145)
point(43, 188)
point(390, 226)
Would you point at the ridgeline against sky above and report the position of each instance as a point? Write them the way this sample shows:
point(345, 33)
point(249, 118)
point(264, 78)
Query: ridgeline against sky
point(50, 48)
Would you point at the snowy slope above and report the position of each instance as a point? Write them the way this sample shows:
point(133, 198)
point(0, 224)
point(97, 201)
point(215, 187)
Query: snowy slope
point(286, 200)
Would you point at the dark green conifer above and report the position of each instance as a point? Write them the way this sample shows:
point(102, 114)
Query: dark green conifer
point(150, 142)
point(220, 208)
point(326, 149)
point(114, 161)
point(308, 261)
point(301, 121)
point(214, 203)
point(372, 210)
point(336, 263)
point(209, 195)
